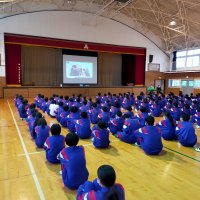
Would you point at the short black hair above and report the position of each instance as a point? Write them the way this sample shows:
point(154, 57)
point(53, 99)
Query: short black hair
point(129, 108)
point(55, 129)
point(119, 113)
point(94, 105)
point(125, 116)
point(66, 108)
point(150, 120)
point(84, 115)
point(71, 139)
point(105, 109)
point(106, 175)
point(60, 103)
point(74, 109)
point(143, 109)
point(185, 117)
point(101, 124)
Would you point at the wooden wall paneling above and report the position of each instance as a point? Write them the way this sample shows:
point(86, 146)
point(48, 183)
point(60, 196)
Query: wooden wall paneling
point(33, 92)
point(11, 92)
point(150, 76)
point(137, 91)
point(196, 90)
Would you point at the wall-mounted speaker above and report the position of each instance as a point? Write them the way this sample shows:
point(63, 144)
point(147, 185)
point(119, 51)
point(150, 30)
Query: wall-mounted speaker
point(150, 58)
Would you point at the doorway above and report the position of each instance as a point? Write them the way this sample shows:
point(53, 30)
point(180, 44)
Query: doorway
point(161, 83)
point(187, 86)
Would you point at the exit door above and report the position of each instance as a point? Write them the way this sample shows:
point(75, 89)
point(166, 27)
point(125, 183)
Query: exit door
point(187, 86)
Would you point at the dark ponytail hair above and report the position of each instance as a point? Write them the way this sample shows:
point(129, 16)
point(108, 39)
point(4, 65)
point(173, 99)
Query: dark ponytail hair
point(168, 115)
point(112, 194)
point(107, 177)
point(42, 122)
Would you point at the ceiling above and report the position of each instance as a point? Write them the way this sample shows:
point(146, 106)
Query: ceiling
point(149, 17)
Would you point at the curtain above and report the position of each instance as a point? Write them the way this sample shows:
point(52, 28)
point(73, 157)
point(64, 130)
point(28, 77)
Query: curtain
point(128, 69)
point(109, 69)
point(13, 63)
point(174, 61)
point(139, 70)
point(41, 66)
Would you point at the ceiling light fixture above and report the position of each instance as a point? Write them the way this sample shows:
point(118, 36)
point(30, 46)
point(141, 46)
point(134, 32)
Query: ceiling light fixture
point(172, 23)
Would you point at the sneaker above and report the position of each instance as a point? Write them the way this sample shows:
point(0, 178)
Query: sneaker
point(136, 144)
point(197, 149)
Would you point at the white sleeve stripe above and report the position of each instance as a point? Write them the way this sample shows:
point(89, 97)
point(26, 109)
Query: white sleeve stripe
point(45, 144)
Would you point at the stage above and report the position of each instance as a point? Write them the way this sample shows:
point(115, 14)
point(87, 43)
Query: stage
point(89, 91)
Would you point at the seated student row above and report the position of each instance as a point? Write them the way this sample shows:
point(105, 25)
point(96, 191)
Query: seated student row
point(119, 114)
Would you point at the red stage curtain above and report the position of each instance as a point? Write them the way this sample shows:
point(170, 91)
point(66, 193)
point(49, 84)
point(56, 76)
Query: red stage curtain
point(13, 63)
point(139, 70)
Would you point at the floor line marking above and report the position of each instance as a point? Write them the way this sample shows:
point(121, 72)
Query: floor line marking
point(38, 186)
point(85, 145)
point(182, 154)
point(32, 153)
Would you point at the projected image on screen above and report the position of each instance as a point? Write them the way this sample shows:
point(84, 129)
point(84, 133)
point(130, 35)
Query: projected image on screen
point(79, 69)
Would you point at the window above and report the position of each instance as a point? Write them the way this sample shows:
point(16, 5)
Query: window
point(174, 83)
point(197, 83)
point(188, 59)
point(183, 83)
point(180, 62)
point(192, 61)
point(181, 54)
point(191, 83)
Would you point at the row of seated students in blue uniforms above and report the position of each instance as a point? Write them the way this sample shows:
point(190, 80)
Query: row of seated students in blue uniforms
point(144, 108)
point(74, 125)
point(142, 131)
point(73, 163)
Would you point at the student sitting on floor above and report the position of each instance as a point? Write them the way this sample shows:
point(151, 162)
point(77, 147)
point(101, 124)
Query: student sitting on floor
point(149, 137)
point(42, 132)
point(117, 123)
point(129, 127)
point(34, 124)
point(167, 127)
point(74, 115)
point(54, 144)
point(175, 112)
point(142, 116)
point(156, 109)
point(59, 110)
point(23, 109)
point(185, 131)
point(104, 115)
point(129, 112)
point(52, 108)
point(102, 188)
point(100, 135)
point(82, 126)
point(93, 113)
point(114, 109)
point(63, 116)
point(73, 163)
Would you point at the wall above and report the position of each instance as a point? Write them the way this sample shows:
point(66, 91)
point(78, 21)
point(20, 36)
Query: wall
point(191, 75)
point(69, 25)
point(150, 76)
point(31, 92)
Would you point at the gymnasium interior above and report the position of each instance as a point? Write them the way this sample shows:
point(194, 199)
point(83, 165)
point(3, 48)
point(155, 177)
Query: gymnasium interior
point(118, 47)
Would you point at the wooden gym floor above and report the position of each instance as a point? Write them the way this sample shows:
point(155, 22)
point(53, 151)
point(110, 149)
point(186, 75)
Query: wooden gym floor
point(25, 174)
